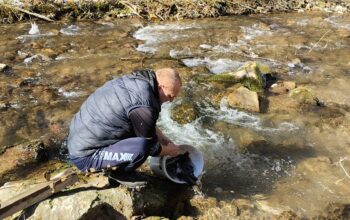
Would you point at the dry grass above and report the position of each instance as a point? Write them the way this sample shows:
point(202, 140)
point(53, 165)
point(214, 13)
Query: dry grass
point(156, 9)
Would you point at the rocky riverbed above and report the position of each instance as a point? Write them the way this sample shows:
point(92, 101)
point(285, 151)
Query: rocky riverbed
point(265, 98)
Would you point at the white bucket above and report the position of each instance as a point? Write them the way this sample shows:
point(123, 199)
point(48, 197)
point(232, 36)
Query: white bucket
point(158, 164)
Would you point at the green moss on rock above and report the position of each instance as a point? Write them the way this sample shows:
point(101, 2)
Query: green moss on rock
point(303, 96)
point(251, 75)
point(184, 113)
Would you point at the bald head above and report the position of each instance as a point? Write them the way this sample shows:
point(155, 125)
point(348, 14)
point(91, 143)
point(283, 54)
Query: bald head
point(169, 84)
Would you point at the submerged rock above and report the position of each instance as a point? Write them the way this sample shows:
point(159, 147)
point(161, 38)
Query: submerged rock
point(335, 211)
point(304, 96)
point(184, 113)
point(211, 209)
point(245, 99)
point(282, 87)
point(288, 215)
point(48, 52)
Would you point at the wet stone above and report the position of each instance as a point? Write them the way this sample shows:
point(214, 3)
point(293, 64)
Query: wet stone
point(343, 33)
point(28, 82)
point(245, 99)
point(10, 55)
point(282, 87)
point(4, 105)
point(335, 211)
point(225, 210)
point(21, 55)
point(36, 45)
point(48, 52)
point(203, 204)
point(184, 113)
point(303, 96)
point(282, 103)
point(251, 75)
point(295, 62)
point(288, 215)
point(3, 67)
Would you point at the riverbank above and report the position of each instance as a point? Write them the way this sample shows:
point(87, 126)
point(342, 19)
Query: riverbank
point(20, 10)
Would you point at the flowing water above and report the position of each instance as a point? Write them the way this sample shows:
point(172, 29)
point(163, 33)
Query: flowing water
point(284, 159)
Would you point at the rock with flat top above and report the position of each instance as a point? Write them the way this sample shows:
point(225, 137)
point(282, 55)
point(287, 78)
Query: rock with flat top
point(92, 198)
point(243, 98)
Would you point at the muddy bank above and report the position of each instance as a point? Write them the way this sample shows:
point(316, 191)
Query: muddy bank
point(10, 11)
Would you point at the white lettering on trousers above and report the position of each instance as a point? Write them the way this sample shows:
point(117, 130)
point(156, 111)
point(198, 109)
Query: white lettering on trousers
point(116, 156)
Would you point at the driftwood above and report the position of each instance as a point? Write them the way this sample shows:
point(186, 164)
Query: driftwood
point(27, 12)
point(38, 193)
point(131, 7)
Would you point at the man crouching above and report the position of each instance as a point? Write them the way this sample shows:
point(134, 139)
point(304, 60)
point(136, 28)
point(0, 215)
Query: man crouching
point(116, 125)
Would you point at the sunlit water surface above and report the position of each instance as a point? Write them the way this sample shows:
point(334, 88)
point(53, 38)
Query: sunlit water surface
point(281, 160)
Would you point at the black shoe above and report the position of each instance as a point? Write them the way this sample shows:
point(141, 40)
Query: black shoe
point(131, 179)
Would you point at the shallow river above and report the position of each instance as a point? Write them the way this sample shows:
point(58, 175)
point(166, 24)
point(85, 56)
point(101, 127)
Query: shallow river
point(282, 159)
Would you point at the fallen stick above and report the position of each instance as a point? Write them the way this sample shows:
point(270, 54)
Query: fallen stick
point(27, 12)
point(341, 165)
point(37, 194)
point(131, 7)
point(318, 41)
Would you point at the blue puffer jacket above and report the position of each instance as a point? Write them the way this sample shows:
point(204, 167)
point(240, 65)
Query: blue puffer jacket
point(103, 119)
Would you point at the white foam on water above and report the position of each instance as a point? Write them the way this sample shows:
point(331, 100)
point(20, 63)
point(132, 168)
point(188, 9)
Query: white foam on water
point(15, 105)
point(190, 133)
point(333, 20)
point(214, 66)
point(34, 30)
point(302, 22)
point(254, 31)
point(62, 57)
point(219, 150)
point(205, 46)
point(243, 119)
point(25, 37)
point(180, 53)
point(71, 94)
point(35, 57)
point(70, 30)
point(153, 35)
point(232, 47)
point(213, 144)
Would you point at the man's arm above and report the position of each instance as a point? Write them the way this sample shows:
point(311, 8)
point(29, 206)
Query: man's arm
point(144, 121)
point(168, 147)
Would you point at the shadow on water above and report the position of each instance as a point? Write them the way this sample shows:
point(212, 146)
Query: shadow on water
point(268, 163)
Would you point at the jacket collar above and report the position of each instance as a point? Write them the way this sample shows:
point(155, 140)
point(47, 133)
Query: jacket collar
point(149, 76)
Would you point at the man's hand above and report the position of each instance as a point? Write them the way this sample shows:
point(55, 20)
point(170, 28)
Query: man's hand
point(170, 149)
